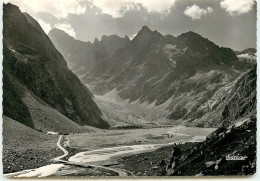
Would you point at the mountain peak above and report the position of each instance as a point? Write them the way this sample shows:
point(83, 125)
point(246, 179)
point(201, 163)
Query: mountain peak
point(147, 32)
point(9, 6)
point(56, 31)
point(191, 38)
point(105, 39)
point(191, 34)
point(146, 37)
point(145, 28)
point(96, 41)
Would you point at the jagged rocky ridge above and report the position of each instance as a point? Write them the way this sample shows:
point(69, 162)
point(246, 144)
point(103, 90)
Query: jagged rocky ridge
point(236, 136)
point(32, 65)
point(188, 73)
point(83, 56)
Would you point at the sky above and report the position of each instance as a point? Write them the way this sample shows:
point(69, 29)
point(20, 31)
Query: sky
point(228, 23)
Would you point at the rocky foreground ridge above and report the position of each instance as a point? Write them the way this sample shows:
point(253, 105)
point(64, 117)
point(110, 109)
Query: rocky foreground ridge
point(231, 149)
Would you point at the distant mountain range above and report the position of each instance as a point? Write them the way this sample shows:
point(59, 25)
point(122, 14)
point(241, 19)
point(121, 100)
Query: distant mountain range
point(38, 88)
point(189, 72)
point(74, 50)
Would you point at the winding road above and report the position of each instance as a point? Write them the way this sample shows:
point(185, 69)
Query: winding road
point(62, 149)
point(120, 172)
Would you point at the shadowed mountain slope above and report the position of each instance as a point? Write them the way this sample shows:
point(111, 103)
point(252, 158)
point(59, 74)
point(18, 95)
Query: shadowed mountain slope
point(33, 65)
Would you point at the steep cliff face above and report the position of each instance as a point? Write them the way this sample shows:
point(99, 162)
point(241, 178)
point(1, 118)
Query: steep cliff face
point(243, 99)
point(235, 139)
point(33, 64)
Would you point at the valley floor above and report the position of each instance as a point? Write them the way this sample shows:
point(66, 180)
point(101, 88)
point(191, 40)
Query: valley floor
point(109, 146)
point(114, 138)
point(152, 152)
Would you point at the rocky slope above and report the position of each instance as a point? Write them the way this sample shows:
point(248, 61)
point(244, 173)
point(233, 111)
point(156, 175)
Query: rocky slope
point(33, 66)
point(188, 75)
point(26, 148)
point(236, 137)
point(83, 56)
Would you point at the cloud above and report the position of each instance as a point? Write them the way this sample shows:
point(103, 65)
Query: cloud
point(45, 26)
point(58, 8)
point(237, 7)
point(67, 28)
point(117, 8)
point(195, 12)
point(210, 9)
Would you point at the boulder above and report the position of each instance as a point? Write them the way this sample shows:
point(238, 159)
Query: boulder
point(210, 164)
point(176, 152)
